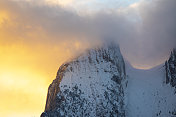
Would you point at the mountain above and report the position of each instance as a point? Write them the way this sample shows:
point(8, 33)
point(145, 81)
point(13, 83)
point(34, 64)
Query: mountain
point(91, 85)
point(99, 83)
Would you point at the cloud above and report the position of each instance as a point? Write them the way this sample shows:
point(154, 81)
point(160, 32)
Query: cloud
point(33, 22)
point(155, 32)
point(145, 30)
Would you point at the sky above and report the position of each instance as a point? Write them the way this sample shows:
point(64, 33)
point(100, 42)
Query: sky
point(36, 37)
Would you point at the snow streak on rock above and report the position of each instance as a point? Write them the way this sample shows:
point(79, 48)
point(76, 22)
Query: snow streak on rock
point(171, 69)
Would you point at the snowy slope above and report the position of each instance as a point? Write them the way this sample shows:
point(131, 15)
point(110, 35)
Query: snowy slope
point(148, 94)
point(91, 85)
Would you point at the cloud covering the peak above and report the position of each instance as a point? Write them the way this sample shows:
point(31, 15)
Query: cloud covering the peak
point(145, 30)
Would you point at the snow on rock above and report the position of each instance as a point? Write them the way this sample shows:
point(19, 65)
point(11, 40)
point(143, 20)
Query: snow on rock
point(170, 66)
point(91, 85)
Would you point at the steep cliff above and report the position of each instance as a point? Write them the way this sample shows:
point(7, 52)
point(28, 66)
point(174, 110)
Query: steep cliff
point(91, 85)
point(170, 66)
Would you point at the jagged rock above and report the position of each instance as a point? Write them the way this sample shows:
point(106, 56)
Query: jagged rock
point(170, 66)
point(91, 85)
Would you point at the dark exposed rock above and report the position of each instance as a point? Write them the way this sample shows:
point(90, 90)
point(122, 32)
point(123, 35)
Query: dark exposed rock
point(170, 66)
point(54, 89)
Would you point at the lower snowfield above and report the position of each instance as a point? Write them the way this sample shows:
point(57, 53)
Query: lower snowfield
point(148, 95)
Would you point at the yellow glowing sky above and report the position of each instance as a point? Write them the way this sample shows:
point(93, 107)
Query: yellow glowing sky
point(27, 68)
point(25, 74)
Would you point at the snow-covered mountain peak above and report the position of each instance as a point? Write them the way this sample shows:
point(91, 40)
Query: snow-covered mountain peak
point(95, 85)
point(91, 85)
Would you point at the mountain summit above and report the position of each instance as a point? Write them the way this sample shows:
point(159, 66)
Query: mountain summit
point(91, 85)
point(99, 84)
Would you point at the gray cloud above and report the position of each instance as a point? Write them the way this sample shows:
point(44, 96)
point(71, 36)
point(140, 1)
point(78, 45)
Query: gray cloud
point(156, 33)
point(146, 33)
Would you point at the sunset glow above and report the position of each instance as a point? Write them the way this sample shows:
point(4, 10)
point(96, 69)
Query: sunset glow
point(26, 72)
point(24, 78)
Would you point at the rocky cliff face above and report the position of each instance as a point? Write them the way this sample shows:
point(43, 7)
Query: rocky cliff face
point(170, 66)
point(91, 85)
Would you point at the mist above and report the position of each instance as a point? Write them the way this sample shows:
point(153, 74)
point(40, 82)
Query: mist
point(144, 30)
